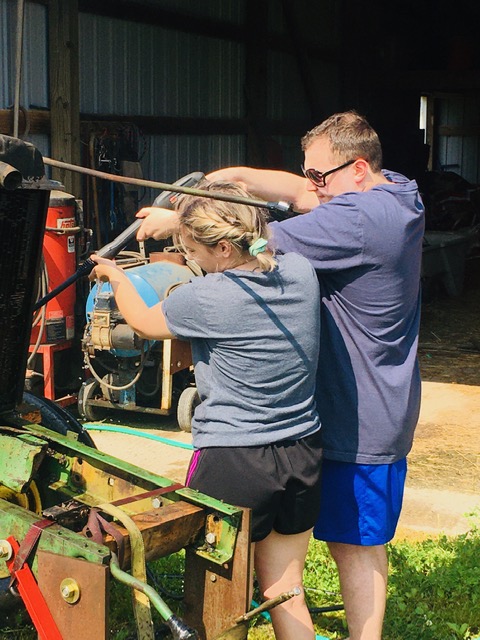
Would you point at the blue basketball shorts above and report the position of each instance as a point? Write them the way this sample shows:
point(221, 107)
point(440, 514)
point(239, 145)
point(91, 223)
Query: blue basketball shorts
point(360, 503)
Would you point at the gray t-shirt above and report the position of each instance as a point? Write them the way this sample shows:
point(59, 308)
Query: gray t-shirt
point(367, 250)
point(255, 340)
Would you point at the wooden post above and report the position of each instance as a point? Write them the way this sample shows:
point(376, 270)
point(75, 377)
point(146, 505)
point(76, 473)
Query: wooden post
point(64, 90)
point(215, 596)
point(256, 82)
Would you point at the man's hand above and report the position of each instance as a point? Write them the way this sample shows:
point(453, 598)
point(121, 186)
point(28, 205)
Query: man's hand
point(230, 174)
point(158, 223)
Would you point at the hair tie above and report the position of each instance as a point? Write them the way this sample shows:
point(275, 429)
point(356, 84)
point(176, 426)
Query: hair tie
point(257, 247)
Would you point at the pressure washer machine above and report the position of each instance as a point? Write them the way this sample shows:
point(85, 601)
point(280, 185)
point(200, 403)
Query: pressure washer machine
point(127, 372)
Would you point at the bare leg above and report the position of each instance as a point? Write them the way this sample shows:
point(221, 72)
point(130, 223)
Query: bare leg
point(363, 581)
point(279, 563)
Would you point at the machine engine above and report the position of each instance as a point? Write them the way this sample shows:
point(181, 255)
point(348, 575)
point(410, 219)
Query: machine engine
point(128, 372)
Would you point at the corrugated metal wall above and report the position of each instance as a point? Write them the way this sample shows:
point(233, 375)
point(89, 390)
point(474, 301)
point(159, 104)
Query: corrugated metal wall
point(140, 69)
point(34, 81)
point(458, 150)
point(130, 68)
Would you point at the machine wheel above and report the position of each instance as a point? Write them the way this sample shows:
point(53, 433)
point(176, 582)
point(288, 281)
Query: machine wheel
point(29, 500)
point(57, 418)
point(189, 399)
point(89, 390)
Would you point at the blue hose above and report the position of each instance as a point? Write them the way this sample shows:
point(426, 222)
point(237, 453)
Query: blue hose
point(95, 426)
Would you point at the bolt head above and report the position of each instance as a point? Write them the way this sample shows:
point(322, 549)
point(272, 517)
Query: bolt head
point(210, 538)
point(6, 550)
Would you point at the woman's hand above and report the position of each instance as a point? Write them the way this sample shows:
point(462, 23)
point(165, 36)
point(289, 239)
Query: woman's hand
point(158, 223)
point(105, 270)
point(147, 322)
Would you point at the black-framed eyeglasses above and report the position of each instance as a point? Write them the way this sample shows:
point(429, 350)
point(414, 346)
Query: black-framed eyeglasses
point(318, 178)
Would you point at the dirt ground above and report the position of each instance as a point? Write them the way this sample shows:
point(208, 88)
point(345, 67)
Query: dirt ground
point(444, 466)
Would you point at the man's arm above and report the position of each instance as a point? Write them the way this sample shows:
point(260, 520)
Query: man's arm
point(270, 185)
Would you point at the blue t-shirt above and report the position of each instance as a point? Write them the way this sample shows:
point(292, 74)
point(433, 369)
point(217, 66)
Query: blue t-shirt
point(255, 339)
point(366, 248)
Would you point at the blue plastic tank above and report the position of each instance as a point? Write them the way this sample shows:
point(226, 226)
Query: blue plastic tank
point(152, 281)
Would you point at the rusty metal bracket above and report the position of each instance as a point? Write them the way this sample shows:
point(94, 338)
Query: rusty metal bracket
point(27, 544)
point(95, 527)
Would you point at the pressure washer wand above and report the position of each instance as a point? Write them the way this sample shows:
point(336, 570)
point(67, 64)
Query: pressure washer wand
point(165, 200)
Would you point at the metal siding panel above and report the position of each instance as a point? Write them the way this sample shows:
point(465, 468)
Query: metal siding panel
point(453, 156)
point(88, 55)
point(286, 96)
point(471, 112)
point(470, 159)
point(228, 10)
point(35, 64)
point(292, 154)
point(34, 82)
point(147, 70)
point(171, 157)
point(6, 85)
point(42, 142)
point(459, 153)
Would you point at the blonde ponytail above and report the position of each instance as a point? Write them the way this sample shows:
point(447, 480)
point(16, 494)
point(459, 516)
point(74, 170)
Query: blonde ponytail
point(244, 226)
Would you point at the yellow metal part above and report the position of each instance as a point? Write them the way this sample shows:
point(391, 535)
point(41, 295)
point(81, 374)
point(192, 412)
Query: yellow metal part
point(90, 484)
point(70, 590)
point(141, 603)
point(101, 330)
point(29, 500)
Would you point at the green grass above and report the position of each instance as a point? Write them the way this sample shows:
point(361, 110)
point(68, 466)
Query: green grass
point(433, 593)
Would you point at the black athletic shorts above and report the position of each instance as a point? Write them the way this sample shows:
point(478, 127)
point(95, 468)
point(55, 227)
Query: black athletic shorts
point(279, 482)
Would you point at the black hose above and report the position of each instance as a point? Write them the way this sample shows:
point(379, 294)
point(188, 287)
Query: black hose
point(114, 247)
point(180, 630)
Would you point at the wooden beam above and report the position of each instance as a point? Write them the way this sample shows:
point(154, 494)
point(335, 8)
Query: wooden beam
point(164, 531)
point(38, 121)
point(437, 80)
point(64, 89)
point(465, 130)
point(30, 121)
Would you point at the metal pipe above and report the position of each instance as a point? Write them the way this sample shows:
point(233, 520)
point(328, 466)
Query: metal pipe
point(281, 207)
point(18, 65)
point(10, 178)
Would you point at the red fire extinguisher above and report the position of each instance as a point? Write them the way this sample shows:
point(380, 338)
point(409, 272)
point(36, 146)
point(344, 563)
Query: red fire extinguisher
point(59, 256)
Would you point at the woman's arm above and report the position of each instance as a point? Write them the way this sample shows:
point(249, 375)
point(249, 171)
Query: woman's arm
point(270, 185)
point(147, 322)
